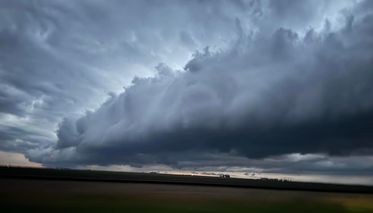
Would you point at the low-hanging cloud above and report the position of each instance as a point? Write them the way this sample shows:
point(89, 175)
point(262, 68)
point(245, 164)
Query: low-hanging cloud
point(268, 94)
point(58, 59)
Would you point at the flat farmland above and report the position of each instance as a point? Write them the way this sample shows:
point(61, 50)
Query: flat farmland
point(34, 195)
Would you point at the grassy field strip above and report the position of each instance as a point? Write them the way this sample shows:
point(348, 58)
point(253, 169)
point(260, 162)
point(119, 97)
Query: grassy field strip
point(19, 195)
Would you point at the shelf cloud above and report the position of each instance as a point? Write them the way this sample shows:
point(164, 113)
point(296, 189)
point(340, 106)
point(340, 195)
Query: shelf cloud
point(241, 80)
point(267, 94)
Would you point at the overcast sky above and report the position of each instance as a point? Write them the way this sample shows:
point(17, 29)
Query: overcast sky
point(195, 85)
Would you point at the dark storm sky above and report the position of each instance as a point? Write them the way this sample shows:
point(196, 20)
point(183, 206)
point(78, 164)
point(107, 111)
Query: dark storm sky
point(277, 85)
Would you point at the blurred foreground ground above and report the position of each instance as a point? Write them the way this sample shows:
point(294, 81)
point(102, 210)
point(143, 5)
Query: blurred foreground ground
point(22, 195)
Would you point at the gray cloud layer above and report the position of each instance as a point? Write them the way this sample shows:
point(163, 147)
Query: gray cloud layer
point(272, 92)
point(61, 58)
point(268, 84)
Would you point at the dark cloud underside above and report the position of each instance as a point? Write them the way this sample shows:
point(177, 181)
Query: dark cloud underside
point(247, 80)
point(268, 94)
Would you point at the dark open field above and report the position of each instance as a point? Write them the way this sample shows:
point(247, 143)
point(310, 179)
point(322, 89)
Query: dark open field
point(27, 193)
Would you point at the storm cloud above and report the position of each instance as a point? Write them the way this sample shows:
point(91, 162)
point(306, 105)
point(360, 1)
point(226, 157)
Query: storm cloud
point(59, 59)
point(220, 84)
point(267, 94)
